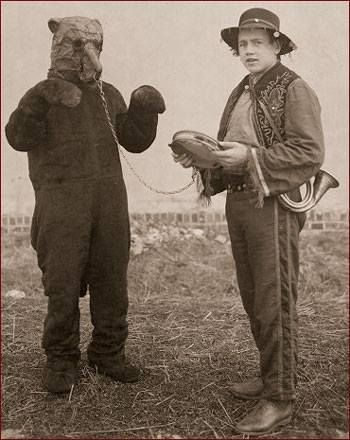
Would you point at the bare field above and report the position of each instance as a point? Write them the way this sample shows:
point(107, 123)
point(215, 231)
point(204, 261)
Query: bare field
point(191, 337)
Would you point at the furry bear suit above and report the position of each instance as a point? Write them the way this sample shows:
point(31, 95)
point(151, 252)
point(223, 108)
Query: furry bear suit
point(80, 227)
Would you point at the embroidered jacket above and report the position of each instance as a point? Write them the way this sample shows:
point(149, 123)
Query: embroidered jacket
point(278, 167)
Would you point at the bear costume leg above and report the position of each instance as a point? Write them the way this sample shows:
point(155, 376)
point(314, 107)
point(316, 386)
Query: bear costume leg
point(61, 232)
point(81, 234)
point(107, 278)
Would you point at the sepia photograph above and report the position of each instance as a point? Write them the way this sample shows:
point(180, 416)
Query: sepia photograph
point(175, 219)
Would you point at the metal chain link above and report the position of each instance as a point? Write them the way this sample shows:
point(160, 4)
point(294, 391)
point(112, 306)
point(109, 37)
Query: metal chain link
point(140, 179)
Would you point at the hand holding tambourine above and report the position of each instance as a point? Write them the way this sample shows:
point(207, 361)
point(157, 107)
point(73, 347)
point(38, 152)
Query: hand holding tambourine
point(192, 148)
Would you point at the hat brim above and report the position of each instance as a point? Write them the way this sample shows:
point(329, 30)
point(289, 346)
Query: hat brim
point(230, 36)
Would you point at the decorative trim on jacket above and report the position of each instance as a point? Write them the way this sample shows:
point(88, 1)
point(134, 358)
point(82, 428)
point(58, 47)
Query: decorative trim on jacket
point(277, 167)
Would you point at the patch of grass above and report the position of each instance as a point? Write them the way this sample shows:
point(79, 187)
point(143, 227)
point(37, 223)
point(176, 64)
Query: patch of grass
point(190, 336)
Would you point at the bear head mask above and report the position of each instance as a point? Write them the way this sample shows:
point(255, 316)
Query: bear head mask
point(76, 47)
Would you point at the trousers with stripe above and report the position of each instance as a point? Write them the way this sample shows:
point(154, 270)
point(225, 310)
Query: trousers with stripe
point(265, 245)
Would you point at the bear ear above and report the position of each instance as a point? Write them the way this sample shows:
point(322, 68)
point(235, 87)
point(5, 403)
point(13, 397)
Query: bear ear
point(53, 24)
point(98, 22)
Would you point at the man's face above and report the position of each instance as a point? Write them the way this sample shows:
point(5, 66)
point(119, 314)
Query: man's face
point(256, 51)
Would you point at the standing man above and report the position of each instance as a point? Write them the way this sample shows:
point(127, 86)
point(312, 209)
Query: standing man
point(272, 141)
point(80, 230)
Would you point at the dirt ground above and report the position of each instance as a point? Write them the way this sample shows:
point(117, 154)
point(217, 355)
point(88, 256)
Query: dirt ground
point(190, 336)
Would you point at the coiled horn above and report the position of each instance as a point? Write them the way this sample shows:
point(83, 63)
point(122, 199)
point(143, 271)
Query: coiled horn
point(322, 183)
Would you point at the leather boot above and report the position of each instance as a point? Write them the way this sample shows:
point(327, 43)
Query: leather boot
point(59, 377)
point(250, 389)
point(124, 373)
point(266, 417)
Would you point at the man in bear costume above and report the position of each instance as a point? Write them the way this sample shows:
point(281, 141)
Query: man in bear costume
point(80, 227)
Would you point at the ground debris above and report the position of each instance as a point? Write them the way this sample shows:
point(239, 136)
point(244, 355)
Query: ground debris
point(11, 434)
point(221, 239)
point(17, 294)
point(190, 336)
point(144, 237)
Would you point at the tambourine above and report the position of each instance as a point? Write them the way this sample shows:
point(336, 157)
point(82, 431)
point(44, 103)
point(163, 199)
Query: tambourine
point(197, 145)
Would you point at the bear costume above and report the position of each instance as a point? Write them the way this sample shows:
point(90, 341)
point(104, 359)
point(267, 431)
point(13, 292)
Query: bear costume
point(80, 227)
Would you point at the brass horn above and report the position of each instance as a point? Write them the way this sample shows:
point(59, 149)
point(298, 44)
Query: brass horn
point(322, 183)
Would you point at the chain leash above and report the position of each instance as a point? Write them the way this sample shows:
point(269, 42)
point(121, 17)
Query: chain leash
point(140, 179)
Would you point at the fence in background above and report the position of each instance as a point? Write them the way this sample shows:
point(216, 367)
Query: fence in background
point(316, 221)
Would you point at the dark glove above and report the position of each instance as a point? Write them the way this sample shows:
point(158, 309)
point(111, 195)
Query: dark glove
point(146, 99)
point(37, 101)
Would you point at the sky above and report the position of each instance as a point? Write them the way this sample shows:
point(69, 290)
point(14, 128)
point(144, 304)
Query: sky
point(175, 46)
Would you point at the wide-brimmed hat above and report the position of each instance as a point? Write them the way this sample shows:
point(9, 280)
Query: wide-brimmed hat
point(262, 19)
